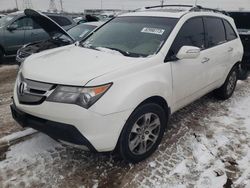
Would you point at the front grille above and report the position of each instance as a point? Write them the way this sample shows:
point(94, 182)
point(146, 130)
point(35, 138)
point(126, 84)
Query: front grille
point(33, 92)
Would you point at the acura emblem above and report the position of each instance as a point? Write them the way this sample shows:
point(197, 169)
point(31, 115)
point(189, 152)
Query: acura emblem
point(22, 88)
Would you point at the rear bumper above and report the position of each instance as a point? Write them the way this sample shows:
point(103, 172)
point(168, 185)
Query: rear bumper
point(58, 131)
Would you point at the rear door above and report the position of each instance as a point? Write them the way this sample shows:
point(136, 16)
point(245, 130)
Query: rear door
point(232, 44)
point(189, 75)
point(216, 50)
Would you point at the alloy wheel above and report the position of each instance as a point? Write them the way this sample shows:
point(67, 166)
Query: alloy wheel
point(144, 133)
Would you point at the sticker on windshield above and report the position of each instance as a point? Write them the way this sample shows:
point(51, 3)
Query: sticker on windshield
point(155, 31)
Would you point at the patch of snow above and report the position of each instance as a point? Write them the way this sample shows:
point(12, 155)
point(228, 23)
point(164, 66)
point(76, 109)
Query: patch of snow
point(201, 154)
point(17, 135)
point(152, 164)
point(180, 169)
point(208, 179)
point(30, 148)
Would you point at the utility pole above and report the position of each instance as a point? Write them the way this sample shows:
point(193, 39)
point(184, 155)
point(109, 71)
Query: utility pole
point(196, 1)
point(101, 4)
point(61, 3)
point(162, 3)
point(16, 5)
point(52, 6)
point(27, 4)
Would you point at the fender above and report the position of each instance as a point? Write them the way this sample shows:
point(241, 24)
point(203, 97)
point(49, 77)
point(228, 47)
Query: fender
point(124, 95)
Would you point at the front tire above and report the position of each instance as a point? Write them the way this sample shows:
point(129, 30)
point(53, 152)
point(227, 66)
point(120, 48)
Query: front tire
point(142, 133)
point(227, 89)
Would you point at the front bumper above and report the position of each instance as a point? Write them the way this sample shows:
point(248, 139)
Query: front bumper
point(101, 131)
point(58, 131)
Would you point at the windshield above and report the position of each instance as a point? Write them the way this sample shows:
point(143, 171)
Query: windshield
point(241, 19)
point(5, 20)
point(80, 31)
point(136, 36)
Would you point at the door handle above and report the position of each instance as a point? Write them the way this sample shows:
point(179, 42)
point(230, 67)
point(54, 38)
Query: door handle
point(230, 49)
point(205, 59)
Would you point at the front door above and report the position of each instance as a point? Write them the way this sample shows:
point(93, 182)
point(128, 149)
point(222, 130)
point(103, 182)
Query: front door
point(189, 75)
point(14, 38)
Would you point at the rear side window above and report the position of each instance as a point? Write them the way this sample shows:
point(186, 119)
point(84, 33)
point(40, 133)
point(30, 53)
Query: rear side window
point(215, 31)
point(191, 34)
point(231, 35)
point(62, 21)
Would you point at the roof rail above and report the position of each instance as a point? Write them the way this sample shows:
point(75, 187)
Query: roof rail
point(198, 8)
point(161, 6)
point(193, 8)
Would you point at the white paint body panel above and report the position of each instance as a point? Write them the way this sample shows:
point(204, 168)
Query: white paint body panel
point(134, 80)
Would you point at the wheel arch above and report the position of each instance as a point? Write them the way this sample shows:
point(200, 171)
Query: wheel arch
point(155, 100)
point(159, 101)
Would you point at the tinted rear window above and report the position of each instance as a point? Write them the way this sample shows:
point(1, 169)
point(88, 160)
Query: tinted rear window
point(231, 35)
point(215, 31)
point(62, 21)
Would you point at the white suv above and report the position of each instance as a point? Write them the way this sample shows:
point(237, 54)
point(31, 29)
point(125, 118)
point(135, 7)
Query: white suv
point(118, 87)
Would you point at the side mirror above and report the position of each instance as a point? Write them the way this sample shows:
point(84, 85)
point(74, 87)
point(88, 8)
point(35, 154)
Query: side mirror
point(12, 27)
point(188, 52)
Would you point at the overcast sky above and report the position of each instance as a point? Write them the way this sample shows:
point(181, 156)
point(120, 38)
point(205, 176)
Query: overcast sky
point(80, 5)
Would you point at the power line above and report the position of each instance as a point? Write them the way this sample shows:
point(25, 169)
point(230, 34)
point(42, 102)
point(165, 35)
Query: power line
point(52, 6)
point(16, 4)
point(27, 4)
point(162, 3)
point(61, 3)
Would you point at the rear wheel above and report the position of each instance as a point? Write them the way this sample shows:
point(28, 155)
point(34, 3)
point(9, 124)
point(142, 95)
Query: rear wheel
point(227, 89)
point(142, 133)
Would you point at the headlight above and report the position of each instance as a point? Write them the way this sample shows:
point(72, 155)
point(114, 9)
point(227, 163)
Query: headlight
point(82, 96)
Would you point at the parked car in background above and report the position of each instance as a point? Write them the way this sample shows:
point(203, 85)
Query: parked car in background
point(242, 21)
point(57, 35)
point(117, 89)
point(86, 18)
point(1, 16)
point(16, 29)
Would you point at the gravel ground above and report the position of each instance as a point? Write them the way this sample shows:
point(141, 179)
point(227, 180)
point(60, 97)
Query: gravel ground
point(7, 79)
point(207, 145)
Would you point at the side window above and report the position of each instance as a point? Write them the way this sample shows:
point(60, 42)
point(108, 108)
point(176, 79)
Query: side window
point(20, 23)
point(23, 23)
point(231, 35)
point(191, 34)
point(29, 24)
point(36, 26)
point(215, 31)
point(62, 21)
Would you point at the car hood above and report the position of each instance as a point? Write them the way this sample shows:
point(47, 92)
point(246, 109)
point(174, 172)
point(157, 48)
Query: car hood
point(73, 65)
point(49, 25)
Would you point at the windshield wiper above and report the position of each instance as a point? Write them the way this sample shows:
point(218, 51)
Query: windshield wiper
point(128, 54)
point(118, 50)
point(125, 53)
